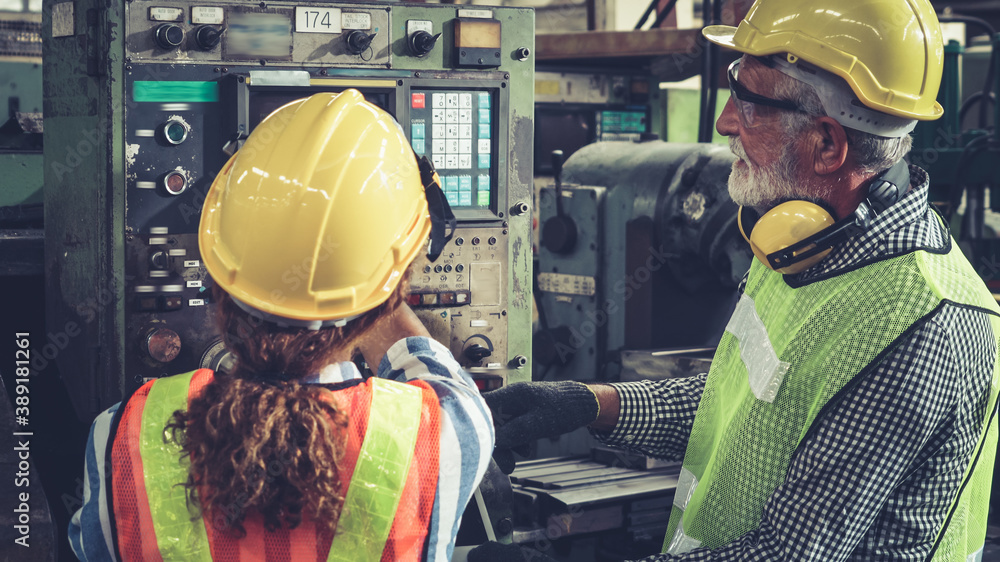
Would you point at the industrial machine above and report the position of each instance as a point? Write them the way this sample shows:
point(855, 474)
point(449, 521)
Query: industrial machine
point(146, 100)
point(639, 251)
point(20, 117)
point(575, 107)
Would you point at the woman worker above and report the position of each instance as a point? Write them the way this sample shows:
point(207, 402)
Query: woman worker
point(290, 455)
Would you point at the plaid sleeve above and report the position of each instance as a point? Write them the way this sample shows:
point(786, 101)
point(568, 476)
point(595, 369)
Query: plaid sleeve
point(656, 416)
point(466, 432)
point(90, 527)
point(875, 477)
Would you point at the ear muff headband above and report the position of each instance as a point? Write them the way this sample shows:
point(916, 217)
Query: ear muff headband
point(796, 235)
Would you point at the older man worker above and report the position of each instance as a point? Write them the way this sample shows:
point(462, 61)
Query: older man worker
point(849, 413)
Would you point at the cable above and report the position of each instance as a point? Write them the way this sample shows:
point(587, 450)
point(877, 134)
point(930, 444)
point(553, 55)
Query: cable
point(991, 70)
point(662, 16)
point(649, 10)
point(971, 101)
point(709, 80)
point(957, 187)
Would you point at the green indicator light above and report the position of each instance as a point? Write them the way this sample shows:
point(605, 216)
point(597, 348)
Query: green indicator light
point(176, 132)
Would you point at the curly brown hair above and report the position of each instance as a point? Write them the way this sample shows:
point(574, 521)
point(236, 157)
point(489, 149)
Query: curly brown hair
point(257, 438)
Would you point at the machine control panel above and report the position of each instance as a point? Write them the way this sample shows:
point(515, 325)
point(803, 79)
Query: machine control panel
point(181, 85)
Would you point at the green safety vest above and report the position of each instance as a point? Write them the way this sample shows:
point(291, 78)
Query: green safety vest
point(785, 354)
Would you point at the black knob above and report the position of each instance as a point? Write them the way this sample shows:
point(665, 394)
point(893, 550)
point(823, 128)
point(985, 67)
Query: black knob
point(159, 260)
point(168, 36)
point(477, 353)
point(559, 235)
point(207, 37)
point(359, 41)
point(422, 42)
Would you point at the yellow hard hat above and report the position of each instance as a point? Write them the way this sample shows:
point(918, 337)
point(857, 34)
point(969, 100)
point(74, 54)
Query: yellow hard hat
point(315, 219)
point(890, 52)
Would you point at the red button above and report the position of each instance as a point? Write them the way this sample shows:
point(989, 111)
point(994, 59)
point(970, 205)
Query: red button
point(413, 299)
point(418, 101)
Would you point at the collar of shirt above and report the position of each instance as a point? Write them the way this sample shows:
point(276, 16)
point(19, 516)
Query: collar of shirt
point(334, 373)
point(906, 226)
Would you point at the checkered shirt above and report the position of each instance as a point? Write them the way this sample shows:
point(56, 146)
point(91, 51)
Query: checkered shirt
point(875, 478)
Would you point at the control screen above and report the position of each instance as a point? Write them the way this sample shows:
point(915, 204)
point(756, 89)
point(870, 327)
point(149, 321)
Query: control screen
point(453, 128)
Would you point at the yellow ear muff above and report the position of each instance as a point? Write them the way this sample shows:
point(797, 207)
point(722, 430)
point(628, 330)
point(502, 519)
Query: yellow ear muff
point(783, 226)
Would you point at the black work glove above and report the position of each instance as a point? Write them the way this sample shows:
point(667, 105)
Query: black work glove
point(527, 411)
point(496, 552)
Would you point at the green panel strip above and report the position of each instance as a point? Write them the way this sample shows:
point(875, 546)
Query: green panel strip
point(380, 473)
point(177, 536)
point(175, 91)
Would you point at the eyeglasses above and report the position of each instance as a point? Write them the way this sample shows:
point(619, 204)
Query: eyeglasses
point(746, 101)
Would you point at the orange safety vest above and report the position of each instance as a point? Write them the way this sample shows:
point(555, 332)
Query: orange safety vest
point(136, 535)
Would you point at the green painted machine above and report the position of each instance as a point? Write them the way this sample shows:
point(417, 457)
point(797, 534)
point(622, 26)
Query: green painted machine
point(146, 100)
point(960, 150)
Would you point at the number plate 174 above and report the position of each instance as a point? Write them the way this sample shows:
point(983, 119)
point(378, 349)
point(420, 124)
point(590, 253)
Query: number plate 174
point(317, 20)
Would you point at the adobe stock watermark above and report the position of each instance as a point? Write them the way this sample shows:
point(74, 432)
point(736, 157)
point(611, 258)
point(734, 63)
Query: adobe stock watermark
point(91, 139)
point(625, 287)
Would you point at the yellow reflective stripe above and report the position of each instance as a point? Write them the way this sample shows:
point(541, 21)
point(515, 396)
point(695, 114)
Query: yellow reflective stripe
point(177, 536)
point(380, 473)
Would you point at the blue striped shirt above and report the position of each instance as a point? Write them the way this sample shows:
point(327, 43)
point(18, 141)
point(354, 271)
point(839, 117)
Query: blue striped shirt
point(465, 447)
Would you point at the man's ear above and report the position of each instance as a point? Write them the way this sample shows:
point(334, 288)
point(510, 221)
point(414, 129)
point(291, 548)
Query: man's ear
point(830, 146)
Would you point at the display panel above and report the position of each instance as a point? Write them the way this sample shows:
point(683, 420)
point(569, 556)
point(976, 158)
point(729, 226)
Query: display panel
point(455, 129)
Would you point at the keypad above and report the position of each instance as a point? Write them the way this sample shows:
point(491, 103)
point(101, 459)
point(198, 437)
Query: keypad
point(454, 129)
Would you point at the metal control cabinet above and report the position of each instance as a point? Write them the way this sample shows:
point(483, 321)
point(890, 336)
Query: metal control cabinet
point(144, 102)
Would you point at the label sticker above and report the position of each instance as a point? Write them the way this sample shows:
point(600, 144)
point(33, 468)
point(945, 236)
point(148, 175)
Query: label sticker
point(207, 15)
point(317, 20)
point(62, 19)
point(163, 13)
point(413, 26)
point(191, 284)
point(485, 14)
point(196, 302)
point(192, 263)
point(356, 20)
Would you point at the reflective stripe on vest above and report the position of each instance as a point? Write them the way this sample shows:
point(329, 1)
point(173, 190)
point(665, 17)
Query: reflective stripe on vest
point(373, 494)
point(380, 473)
point(754, 412)
point(177, 536)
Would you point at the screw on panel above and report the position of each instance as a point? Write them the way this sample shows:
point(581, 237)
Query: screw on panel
point(416, 75)
point(322, 72)
point(506, 76)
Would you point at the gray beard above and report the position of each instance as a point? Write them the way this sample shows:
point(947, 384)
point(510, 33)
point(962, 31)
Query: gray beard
point(761, 188)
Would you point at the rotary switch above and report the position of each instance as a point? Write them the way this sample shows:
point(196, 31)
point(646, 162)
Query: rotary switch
point(359, 41)
point(207, 37)
point(421, 42)
point(168, 36)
